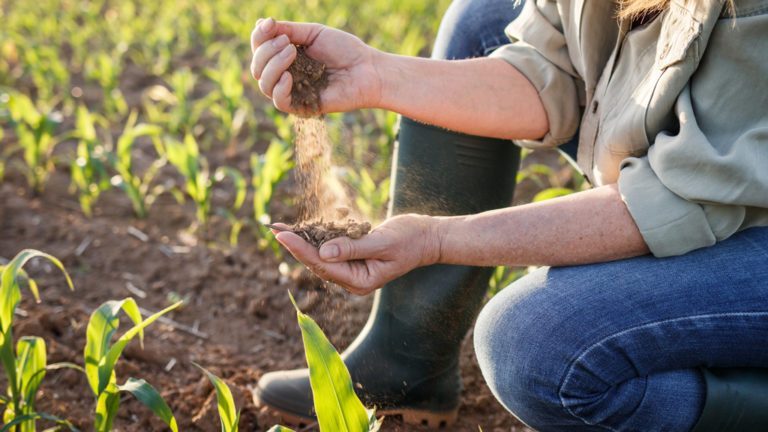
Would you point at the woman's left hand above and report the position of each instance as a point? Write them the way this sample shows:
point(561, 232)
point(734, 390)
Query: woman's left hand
point(392, 249)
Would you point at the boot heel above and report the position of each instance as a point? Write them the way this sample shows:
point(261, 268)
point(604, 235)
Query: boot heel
point(431, 419)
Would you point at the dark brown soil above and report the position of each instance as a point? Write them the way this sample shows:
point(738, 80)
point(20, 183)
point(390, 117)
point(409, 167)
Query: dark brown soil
point(319, 232)
point(309, 79)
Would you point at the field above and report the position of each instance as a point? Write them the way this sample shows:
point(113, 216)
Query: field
point(135, 148)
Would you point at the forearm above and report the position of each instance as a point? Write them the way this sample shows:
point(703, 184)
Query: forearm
point(485, 96)
point(585, 227)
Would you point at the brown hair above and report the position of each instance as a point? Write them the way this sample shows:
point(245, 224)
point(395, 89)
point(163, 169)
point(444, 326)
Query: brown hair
point(638, 8)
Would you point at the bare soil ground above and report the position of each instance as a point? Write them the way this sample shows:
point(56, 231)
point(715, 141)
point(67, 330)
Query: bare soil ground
point(237, 322)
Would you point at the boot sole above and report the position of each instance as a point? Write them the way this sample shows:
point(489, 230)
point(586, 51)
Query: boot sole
point(430, 419)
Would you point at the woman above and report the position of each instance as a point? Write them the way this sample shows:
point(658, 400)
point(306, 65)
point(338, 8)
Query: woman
point(652, 309)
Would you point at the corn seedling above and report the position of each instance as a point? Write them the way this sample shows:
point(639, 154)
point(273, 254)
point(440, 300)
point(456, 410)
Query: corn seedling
point(198, 185)
point(101, 356)
point(26, 367)
point(89, 169)
point(43, 65)
point(35, 132)
point(228, 412)
point(370, 198)
point(174, 109)
point(337, 406)
point(104, 69)
point(267, 171)
point(228, 106)
point(138, 187)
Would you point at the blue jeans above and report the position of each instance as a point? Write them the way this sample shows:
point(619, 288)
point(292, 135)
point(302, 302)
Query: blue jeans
point(613, 346)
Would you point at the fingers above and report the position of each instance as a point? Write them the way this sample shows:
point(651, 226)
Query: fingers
point(345, 249)
point(352, 276)
point(265, 52)
point(298, 33)
point(275, 68)
point(281, 93)
point(264, 30)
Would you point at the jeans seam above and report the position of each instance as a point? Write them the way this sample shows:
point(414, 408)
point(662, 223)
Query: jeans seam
point(587, 350)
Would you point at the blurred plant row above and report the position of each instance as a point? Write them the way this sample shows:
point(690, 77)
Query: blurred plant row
point(155, 97)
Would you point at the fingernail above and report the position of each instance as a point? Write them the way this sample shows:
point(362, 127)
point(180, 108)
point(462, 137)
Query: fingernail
point(267, 25)
point(280, 41)
point(329, 251)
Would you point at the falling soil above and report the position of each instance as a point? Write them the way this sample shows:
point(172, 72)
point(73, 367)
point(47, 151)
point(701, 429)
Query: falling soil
point(313, 160)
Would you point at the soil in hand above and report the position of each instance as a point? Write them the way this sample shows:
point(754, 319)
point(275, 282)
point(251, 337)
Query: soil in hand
point(318, 232)
point(309, 79)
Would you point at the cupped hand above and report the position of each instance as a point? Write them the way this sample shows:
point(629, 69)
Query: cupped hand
point(394, 248)
point(353, 79)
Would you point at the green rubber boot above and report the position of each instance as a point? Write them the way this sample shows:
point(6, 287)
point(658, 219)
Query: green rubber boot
point(737, 401)
point(406, 359)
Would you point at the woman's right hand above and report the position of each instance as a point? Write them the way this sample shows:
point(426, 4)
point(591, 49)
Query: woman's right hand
point(354, 81)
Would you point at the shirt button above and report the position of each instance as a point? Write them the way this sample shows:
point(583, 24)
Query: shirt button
point(595, 104)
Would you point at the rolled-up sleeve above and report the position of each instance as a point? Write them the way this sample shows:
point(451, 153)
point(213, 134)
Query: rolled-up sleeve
point(539, 51)
point(697, 187)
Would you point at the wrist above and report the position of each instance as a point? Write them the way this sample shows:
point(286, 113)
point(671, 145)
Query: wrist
point(389, 71)
point(435, 232)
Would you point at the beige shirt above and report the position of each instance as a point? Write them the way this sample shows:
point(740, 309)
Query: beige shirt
point(675, 110)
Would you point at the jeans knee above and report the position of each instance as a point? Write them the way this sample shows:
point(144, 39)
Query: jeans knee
point(511, 344)
point(473, 28)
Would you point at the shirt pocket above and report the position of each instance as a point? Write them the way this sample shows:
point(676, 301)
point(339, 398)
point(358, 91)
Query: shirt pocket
point(678, 53)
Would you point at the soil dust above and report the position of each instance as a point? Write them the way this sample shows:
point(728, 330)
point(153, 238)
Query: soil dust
point(322, 215)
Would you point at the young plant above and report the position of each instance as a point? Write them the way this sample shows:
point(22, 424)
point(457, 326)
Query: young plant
point(337, 406)
point(35, 132)
point(25, 368)
point(229, 107)
point(89, 169)
point(138, 187)
point(101, 356)
point(198, 184)
point(267, 171)
point(228, 413)
point(174, 109)
point(370, 198)
point(104, 68)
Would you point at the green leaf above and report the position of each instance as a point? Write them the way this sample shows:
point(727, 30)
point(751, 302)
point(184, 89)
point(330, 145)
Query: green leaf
point(9, 289)
point(336, 404)
point(237, 179)
point(107, 365)
point(102, 325)
point(31, 364)
point(147, 395)
point(228, 413)
point(38, 416)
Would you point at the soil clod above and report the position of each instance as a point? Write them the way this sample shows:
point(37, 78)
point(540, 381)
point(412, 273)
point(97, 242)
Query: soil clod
point(310, 77)
point(318, 232)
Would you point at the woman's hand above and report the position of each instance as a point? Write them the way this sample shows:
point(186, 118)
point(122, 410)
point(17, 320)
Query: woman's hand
point(394, 248)
point(354, 81)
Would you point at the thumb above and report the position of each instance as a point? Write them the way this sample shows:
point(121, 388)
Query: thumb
point(345, 249)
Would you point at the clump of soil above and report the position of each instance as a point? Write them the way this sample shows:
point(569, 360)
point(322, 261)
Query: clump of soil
point(309, 79)
point(318, 232)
